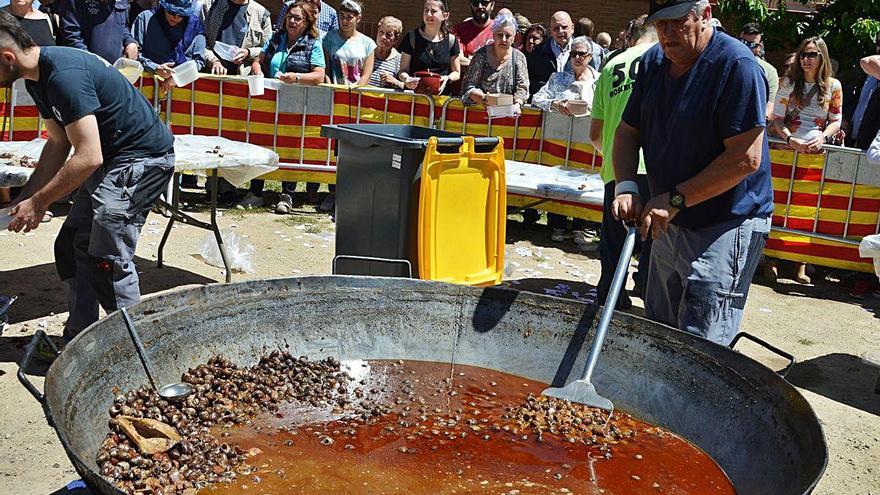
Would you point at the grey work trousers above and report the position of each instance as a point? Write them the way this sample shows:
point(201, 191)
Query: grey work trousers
point(94, 251)
point(699, 279)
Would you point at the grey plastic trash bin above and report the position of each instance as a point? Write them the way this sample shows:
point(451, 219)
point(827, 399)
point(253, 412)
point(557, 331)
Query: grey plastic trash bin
point(378, 169)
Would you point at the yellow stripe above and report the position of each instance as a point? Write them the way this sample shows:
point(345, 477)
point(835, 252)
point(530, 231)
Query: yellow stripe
point(554, 207)
point(827, 214)
point(821, 261)
point(23, 124)
point(302, 176)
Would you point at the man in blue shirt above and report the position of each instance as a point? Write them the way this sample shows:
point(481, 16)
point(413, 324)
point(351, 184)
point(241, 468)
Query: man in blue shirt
point(697, 110)
point(97, 26)
point(123, 158)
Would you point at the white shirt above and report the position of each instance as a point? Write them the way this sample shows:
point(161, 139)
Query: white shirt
point(561, 54)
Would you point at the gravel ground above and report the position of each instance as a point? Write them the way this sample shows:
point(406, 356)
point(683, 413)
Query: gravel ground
point(825, 329)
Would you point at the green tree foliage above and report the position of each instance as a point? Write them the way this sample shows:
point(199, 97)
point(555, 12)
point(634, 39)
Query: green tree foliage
point(849, 27)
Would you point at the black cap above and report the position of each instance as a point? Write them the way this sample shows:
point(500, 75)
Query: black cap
point(662, 10)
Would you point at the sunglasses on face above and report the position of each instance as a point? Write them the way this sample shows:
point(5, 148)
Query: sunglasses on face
point(295, 18)
point(809, 55)
point(575, 54)
point(477, 3)
point(751, 44)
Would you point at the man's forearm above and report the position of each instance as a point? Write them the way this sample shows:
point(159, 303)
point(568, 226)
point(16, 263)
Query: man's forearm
point(51, 159)
point(726, 171)
point(70, 176)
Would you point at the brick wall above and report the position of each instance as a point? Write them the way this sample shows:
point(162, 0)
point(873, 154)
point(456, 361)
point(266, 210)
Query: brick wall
point(608, 15)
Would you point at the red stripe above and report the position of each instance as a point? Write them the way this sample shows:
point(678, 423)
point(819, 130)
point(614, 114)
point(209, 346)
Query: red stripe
point(479, 116)
point(394, 105)
point(26, 111)
point(819, 250)
point(826, 227)
point(867, 205)
point(576, 156)
point(781, 171)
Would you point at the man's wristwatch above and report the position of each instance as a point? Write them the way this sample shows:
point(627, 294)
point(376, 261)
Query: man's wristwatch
point(677, 199)
point(297, 77)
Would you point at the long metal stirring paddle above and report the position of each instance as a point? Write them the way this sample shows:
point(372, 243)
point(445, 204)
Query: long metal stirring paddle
point(583, 391)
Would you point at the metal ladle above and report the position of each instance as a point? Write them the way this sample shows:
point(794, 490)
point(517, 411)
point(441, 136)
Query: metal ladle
point(174, 392)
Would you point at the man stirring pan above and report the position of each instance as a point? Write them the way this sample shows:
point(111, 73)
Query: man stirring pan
point(123, 157)
point(698, 110)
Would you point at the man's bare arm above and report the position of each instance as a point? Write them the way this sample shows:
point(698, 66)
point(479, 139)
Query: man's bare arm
point(87, 157)
point(53, 156)
point(596, 133)
point(741, 157)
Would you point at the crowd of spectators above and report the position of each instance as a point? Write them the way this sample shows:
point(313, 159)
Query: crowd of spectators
point(555, 66)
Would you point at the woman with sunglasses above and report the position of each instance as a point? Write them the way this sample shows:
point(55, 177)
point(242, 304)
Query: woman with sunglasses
point(579, 84)
point(349, 53)
point(169, 36)
point(576, 84)
point(499, 67)
point(293, 55)
point(807, 111)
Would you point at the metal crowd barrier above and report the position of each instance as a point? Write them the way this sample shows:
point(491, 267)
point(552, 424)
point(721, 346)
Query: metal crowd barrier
point(566, 133)
point(844, 167)
point(825, 202)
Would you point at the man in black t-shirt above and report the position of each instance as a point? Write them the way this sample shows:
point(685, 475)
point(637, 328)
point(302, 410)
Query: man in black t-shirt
point(123, 158)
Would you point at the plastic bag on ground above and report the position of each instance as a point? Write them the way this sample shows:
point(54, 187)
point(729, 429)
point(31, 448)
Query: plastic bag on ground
point(239, 252)
point(870, 248)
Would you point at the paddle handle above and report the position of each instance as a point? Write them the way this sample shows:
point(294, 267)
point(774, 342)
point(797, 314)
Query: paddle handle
point(610, 302)
point(139, 346)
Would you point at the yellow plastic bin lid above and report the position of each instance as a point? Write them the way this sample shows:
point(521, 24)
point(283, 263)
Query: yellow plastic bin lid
point(462, 213)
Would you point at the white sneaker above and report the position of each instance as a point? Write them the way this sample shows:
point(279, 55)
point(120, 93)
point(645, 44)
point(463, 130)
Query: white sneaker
point(251, 201)
point(557, 235)
point(582, 239)
point(285, 204)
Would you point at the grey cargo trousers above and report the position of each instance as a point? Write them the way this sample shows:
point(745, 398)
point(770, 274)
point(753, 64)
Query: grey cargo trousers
point(94, 252)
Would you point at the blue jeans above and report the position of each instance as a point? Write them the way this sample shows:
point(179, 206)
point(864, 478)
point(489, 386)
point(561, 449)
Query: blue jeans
point(611, 244)
point(699, 278)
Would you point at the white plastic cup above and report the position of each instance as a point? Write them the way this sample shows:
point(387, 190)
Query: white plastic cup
point(185, 73)
point(256, 85)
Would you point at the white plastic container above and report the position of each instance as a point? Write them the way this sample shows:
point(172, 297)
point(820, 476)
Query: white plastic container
point(502, 111)
point(185, 73)
point(256, 85)
point(224, 51)
point(131, 69)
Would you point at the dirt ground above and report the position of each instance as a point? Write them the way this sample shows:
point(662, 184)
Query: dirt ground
point(827, 330)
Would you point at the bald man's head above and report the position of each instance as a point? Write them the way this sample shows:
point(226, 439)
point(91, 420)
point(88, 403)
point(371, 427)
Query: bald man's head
point(561, 28)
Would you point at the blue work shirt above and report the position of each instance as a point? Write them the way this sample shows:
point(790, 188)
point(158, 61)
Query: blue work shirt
point(683, 123)
point(74, 84)
point(96, 26)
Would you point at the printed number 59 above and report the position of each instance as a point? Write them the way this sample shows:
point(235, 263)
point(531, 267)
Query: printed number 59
point(620, 75)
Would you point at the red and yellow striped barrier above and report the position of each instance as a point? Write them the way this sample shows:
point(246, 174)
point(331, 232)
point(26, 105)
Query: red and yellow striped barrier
point(817, 219)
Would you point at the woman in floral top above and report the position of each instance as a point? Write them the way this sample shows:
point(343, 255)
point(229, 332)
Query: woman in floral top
point(808, 105)
point(499, 67)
